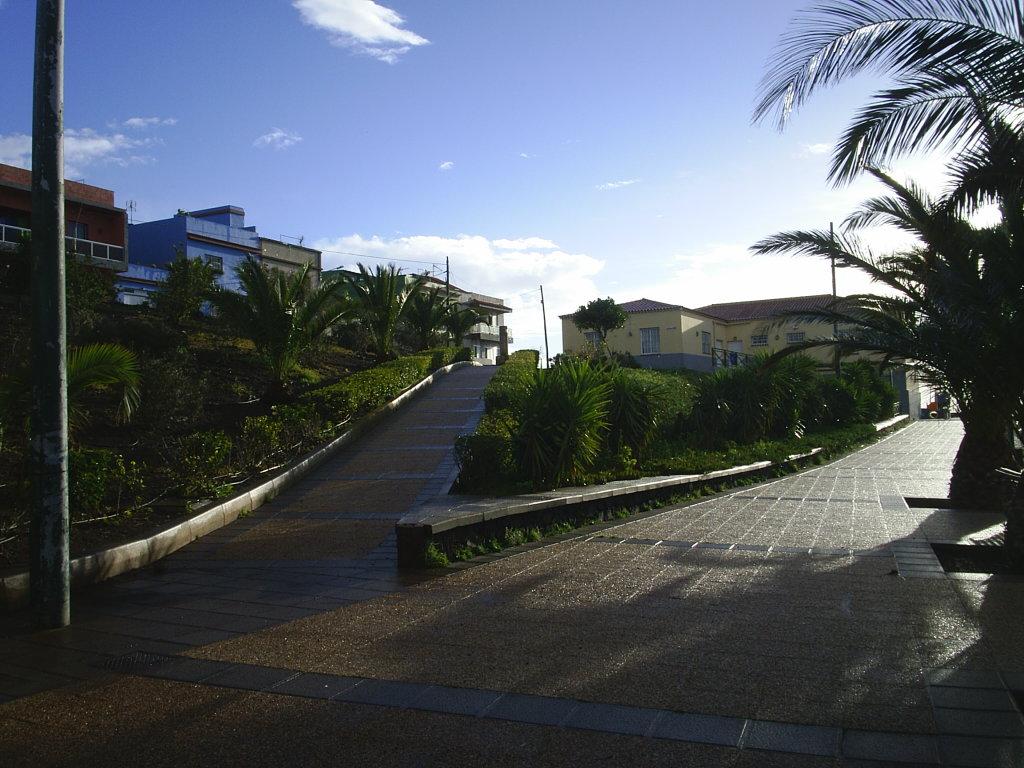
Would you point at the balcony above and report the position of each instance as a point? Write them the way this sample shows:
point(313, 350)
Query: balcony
point(102, 254)
point(485, 332)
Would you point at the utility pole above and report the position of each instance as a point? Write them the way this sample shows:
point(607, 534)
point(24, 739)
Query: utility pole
point(49, 572)
point(544, 315)
point(835, 323)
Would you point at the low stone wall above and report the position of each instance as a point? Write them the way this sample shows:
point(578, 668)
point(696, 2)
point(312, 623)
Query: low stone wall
point(448, 522)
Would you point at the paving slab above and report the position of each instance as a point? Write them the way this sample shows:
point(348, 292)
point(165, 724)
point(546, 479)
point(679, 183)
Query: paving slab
point(773, 626)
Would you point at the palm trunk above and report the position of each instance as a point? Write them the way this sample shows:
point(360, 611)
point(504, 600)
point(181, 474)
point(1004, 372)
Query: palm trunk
point(1015, 525)
point(975, 484)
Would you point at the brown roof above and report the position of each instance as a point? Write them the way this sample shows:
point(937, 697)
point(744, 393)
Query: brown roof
point(647, 305)
point(737, 311)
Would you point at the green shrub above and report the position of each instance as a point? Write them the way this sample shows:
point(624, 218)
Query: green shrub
point(171, 394)
point(101, 481)
point(258, 441)
point(198, 460)
point(366, 390)
point(444, 356)
point(561, 420)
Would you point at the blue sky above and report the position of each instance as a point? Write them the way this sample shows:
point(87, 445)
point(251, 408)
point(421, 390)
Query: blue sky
point(595, 147)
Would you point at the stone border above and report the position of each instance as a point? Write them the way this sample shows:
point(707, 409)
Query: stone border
point(107, 563)
point(447, 521)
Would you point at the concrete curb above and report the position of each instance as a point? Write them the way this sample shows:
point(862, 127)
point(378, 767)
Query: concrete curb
point(107, 563)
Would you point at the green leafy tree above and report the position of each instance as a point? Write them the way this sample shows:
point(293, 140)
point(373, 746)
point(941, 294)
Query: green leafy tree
point(955, 65)
point(186, 289)
point(282, 314)
point(382, 297)
point(601, 316)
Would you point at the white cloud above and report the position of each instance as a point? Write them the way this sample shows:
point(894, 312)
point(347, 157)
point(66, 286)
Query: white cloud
point(510, 269)
point(361, 25)
point(447, 165)
point(83, 149)
point(816, 149)
point(617, 184)
point(145, 122)
point(278, 139)
point(16, 150)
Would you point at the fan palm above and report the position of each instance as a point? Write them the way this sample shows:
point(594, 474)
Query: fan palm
point(382, 298)
point(956, 316)
point(956, 64)
point(282, 314)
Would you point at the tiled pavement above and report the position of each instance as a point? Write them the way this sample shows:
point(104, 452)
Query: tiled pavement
point(798, 622)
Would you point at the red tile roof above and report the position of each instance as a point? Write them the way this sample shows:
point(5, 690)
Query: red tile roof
point(737, 311)
point(647, 305)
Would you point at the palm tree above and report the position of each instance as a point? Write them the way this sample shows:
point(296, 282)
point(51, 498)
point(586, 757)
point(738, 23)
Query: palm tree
point(956, 65)
point(425, 317)
point(90, 368)
point(956, 316)
point(382, 298)
point(460, 322)
point(282, 314)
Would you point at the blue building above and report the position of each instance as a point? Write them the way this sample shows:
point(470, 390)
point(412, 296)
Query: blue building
point(218, 236)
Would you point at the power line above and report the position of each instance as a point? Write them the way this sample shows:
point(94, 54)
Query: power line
point(381, 258)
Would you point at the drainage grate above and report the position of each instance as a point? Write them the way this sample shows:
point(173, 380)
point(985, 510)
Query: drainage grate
point(130, 663)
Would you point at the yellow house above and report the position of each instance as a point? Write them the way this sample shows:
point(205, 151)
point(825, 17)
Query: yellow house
point(660, 335)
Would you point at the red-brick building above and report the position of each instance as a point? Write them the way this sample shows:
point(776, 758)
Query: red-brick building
point(94, 226)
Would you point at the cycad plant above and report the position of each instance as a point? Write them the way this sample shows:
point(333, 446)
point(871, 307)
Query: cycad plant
point(282, 314)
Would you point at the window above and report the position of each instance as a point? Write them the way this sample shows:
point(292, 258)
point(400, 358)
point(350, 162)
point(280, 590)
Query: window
point(759, 340)
point(593, 338)
point(76, 230)
point(705, 343)
point(650, 341)
point(217, 262)
point(795, 337)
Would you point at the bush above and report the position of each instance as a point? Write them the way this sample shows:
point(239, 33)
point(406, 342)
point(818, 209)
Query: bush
point(444, 356)
point(258, 442)
point(367, 390)
point(171, 395)
point(198, 460)
point(101, 481)
point(561, 422)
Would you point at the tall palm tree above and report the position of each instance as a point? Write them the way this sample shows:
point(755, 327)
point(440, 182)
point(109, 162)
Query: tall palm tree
point(955, 64)
point(282, 314)
point(425, 317)
point(460, 322)
point(382, 298)
point(956, 315)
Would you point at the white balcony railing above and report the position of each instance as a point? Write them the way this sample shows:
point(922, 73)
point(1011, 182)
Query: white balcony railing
point(94, 250)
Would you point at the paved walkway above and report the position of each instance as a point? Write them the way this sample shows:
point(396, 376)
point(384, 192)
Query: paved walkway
point(801, 622)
